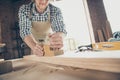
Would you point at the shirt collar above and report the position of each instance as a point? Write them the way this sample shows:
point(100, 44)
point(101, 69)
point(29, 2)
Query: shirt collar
point(35, 12)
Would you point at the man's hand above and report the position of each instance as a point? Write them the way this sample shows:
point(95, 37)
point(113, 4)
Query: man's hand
point(56, 40)
point(38, 50)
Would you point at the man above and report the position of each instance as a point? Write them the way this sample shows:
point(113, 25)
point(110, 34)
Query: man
point(35, 21)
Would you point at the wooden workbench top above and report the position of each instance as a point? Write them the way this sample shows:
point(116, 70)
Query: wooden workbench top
point(101, 64)
point(64, 68)
point(32, 70)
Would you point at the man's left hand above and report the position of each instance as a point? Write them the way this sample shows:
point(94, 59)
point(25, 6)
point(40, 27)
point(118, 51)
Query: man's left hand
point(56, 40)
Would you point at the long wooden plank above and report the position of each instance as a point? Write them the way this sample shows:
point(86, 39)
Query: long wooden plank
point(100, 36)
point(89, 21)
point(108, 30)
point(32, 70)
point(107, 46)
point(5, 67)
point(102, 64)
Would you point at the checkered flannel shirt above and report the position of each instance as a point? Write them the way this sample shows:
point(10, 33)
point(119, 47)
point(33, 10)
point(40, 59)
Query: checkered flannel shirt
point(25, 19)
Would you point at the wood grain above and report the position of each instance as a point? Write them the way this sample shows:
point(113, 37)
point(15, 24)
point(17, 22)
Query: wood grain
point(100, 36)
point(32, 70)
point(101, 64)
point(5, 67)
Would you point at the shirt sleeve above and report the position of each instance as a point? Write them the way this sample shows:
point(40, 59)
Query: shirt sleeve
point(24, 22)
point(57, 22)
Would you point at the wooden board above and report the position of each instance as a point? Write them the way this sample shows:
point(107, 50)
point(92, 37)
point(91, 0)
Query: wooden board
point(5, 67)
point(100, 36)
point(101, 64)
point(107, 46)
point(89, 21)
point(32, 70)
point(108, 30)
point(49, 52)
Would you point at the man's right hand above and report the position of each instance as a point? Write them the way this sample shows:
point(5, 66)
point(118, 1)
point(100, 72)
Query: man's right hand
point(38, 50)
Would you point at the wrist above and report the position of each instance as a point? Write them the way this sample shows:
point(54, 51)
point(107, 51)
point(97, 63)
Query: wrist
point(61, 34)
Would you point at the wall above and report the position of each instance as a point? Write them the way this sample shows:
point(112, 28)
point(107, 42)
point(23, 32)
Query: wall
point(8, 19)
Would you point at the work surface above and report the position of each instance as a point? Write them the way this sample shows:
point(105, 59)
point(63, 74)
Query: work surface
point(64, 68)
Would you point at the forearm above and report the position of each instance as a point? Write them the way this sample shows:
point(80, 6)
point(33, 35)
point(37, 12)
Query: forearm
point(30, 41)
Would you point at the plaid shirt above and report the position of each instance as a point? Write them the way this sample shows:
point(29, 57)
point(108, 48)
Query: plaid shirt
point(27, 14)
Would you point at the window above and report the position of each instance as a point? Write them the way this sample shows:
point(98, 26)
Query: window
point(75, 20)
point(113, 13)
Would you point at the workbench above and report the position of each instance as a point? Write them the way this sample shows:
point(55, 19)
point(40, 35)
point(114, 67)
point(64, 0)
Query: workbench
point(84, 66)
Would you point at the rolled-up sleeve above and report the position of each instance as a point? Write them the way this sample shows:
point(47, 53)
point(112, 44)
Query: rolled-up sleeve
point(58, 22)
point(24, 22)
